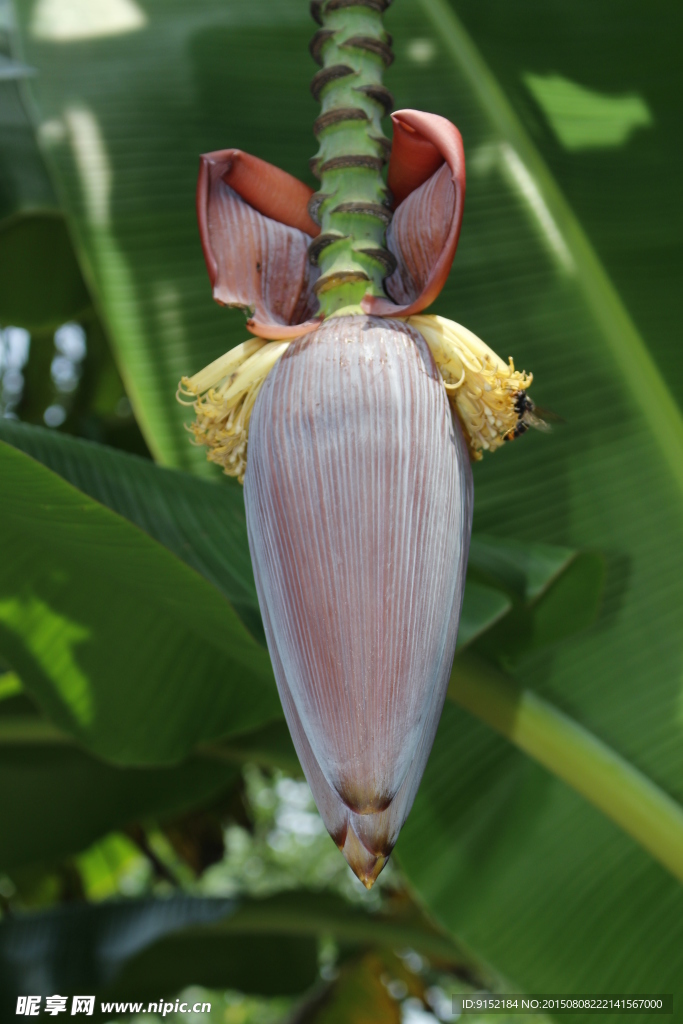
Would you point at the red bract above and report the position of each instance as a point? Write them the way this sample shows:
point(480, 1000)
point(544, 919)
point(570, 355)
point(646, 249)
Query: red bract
point(256, 229)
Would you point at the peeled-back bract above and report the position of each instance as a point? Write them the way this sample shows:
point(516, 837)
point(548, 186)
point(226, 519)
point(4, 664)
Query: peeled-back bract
point(256, 229)
point(427, 178)
point(257, 254)
point(358, 495)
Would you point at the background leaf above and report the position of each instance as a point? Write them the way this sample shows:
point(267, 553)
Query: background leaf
point(518, 866)
point(102, 669)
point(41, 284)
point(358, 995)
point(200, 522)
point(482, 608)
point(55, 799)
point(142, 949)
point(112, 126)
point(553, 592)
point(624, 190)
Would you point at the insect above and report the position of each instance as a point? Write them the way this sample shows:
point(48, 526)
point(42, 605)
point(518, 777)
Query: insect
point(531, 415)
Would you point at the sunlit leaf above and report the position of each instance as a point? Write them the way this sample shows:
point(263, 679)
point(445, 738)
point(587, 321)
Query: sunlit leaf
point(122, 644)
point(627, 194)
point(584, 119)
point(202, 523)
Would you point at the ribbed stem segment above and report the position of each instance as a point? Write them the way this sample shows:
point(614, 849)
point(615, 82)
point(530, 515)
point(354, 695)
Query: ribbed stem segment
point(353, 204)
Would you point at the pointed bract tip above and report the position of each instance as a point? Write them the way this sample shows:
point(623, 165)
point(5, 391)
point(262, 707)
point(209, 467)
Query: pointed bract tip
point(365, 865)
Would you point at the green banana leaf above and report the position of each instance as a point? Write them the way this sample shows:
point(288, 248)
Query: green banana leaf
point(505, 855)
point(532, 878)
point(201, 523)
point(603, 110)
point(145, 949)
point(55, 800)
point(139, 243)
point(41, 284)
point(554, 592)
point(106, 627)
point(24, 181)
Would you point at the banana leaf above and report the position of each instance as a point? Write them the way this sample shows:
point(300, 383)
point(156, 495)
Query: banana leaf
point(55, 800)
point(125, 647)
point(41, 284)
point(146, 949)
point(603, 111)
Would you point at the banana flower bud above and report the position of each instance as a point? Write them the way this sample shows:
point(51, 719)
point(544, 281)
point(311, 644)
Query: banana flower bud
point(353, 438)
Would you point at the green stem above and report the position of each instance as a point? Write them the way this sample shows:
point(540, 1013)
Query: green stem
point(572, 753)
point(353, 204)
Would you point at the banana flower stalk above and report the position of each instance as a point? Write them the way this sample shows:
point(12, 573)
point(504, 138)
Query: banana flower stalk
point(351, 418)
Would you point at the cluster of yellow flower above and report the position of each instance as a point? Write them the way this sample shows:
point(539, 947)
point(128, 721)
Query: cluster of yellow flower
point(223, 396)
point(487, 394)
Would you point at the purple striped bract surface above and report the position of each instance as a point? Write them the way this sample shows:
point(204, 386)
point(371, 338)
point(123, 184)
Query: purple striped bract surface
point(358, 493)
